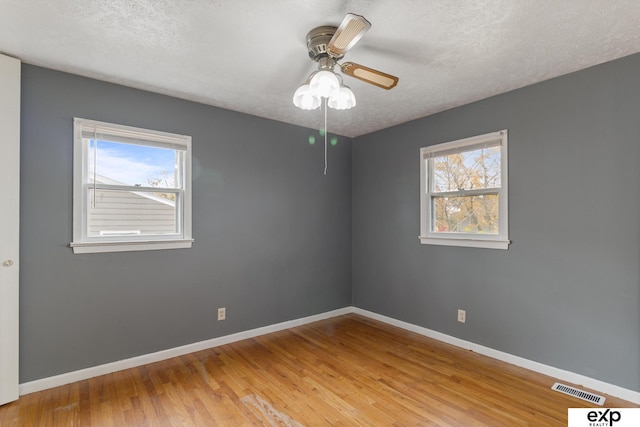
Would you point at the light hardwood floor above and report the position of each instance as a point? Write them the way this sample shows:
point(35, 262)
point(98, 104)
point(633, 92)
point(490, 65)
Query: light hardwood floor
point(345, 371)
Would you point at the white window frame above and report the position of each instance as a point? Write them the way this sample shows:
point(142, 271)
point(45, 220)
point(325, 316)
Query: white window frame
point(82, 242)
point(476, 240)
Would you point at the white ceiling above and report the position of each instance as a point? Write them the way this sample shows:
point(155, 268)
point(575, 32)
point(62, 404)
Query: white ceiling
point(250, 55)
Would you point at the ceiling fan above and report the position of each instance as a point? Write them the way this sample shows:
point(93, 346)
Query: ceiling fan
point(327, 45)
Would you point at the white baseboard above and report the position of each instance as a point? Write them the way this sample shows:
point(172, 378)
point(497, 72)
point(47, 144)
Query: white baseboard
point(107, 368)
point(83, 374)
point(601, 386)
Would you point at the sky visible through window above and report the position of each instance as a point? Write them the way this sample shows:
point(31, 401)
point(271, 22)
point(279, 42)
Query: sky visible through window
point(132, 164)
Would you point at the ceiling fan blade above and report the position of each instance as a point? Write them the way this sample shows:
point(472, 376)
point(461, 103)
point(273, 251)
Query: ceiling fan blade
point(348, 33)
point(369, 75)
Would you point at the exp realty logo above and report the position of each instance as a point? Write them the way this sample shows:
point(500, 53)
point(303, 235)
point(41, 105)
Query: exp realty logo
point(604, 417)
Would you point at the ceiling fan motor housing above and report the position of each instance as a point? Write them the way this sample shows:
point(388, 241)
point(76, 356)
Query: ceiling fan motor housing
point(317, 41)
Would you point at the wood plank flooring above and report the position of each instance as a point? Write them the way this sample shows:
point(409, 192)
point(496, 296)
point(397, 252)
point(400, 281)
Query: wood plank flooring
point(345, 371)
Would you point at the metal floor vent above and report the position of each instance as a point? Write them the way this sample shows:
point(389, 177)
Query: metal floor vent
point(580, 394)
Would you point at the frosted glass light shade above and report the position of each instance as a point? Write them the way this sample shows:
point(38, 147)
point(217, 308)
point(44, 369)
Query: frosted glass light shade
point(305, 99)
point(324, 83)
point(342, 99)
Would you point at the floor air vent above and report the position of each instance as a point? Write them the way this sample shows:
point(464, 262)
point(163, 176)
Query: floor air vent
point(580, 394)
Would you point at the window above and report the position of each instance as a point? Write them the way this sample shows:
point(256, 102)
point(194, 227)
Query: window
point(131, 189)
point(463, 192)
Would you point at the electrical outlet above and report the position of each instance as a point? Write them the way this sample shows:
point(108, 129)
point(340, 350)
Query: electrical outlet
point(222, 313)
point(462, 316)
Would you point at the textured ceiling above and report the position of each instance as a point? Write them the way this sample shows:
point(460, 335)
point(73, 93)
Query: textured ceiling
point(250, 55)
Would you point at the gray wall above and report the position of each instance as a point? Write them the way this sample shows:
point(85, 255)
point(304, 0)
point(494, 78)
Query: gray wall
point(567, 291)
point(272, 234)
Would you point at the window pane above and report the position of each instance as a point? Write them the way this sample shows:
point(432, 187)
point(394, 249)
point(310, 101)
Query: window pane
point(136, 165)
point(120, 213)
point(469, 214)
point(468, 170)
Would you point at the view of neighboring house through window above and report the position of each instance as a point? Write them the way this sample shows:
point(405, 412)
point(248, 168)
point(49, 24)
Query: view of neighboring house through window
point(464, 192)
point(132, 188)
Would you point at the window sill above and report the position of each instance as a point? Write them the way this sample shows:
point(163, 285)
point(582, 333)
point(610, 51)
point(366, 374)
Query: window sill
point(98, 247)
point(469, 243)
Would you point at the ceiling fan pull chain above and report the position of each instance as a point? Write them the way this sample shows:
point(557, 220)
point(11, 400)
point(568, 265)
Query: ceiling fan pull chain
point(325, 136)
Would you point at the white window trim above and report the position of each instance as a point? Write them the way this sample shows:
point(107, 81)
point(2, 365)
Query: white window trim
point(491, 241)
point(82, 243)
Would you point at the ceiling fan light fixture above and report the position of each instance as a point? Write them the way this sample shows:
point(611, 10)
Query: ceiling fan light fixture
point(327, 45)
point(305, 99)
point(324, 84)
point(343, 99)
